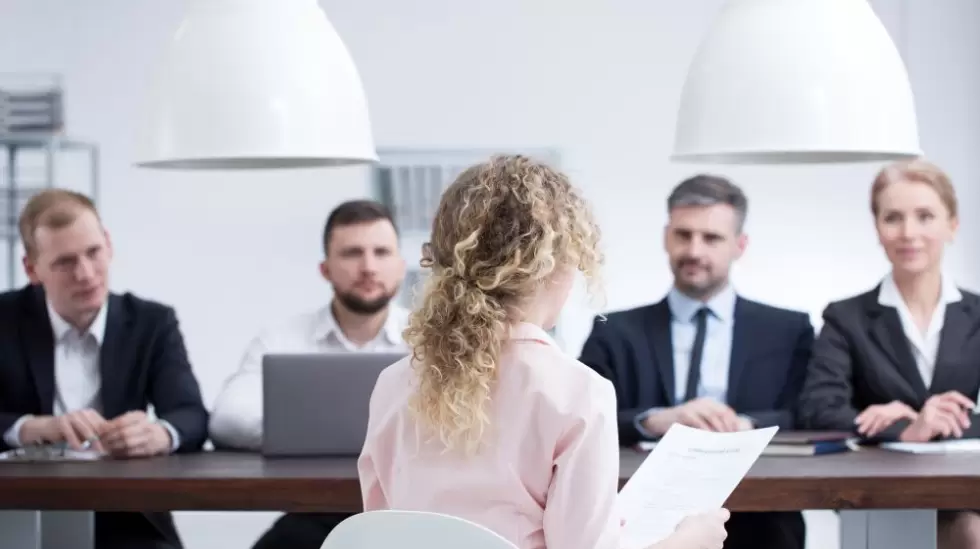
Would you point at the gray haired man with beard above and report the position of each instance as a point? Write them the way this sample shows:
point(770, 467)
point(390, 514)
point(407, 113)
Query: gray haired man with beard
point(363, 264)
point(704, 356)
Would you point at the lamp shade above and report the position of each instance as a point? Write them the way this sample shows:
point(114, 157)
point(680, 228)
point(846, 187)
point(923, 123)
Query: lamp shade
point(253, 84)
point(796, 82)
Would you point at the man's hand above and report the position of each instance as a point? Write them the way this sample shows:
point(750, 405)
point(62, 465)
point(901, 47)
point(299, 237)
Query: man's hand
point(134, 434)
point(945, 415)
point(701, 413)
point(745, 424)
point(80, 430)
point(877, 418)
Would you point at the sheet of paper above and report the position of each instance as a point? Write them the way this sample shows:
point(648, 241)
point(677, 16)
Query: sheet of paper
point(942, 447)
point(690, 471)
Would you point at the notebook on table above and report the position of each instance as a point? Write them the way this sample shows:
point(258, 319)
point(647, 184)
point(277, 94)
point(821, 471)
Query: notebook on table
point(810, 443)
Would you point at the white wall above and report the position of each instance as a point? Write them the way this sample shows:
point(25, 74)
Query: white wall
point(599, 80)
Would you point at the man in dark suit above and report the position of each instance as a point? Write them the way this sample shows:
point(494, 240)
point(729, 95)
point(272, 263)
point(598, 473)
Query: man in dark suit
point(703, 356)
point(80, 366)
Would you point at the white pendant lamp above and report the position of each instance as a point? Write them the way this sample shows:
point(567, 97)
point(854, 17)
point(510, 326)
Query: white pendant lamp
point(796, 82)
point(256, 84)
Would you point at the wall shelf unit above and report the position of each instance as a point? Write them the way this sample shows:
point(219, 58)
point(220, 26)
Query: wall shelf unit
point(31, 162)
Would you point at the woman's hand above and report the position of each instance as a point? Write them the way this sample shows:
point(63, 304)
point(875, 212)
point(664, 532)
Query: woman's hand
point(877, 418)
point(702, 531)
point(946, 415)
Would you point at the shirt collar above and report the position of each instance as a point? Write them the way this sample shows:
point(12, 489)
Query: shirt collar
point(528, 331)
point(889, 295)
point(327, 326)
point(721, 305)
point(61, 327)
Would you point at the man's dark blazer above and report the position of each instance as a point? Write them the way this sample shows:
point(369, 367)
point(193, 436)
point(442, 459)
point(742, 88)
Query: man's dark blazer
point(770, 351)
point(143, 361)
point(862, 357)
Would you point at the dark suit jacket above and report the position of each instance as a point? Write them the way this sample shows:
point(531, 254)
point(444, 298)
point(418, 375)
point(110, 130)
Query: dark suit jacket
point(862, 358)
point(770, 350)
point(142, 361)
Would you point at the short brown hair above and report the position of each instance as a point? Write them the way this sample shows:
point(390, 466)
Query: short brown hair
point(51, 208)
point(915, 171)
point(708, 190)
point(354, 212)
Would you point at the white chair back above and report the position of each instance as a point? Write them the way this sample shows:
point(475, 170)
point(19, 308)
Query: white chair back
point(412, 530)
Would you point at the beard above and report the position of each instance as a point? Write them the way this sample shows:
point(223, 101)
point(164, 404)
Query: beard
point(357, 304)
point(697, 289)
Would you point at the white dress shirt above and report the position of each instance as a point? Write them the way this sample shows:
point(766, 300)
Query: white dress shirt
point(924, 346)
point(236, 420)
point(78, 380)
point(717, 353)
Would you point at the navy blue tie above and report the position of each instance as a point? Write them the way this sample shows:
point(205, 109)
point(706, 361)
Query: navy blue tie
point(694, 369)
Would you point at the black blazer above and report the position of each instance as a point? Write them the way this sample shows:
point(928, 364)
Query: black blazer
point(143, 361)
point(770, 350)
point(862, 358)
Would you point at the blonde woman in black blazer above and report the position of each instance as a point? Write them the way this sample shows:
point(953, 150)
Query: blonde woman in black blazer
point(902, 361)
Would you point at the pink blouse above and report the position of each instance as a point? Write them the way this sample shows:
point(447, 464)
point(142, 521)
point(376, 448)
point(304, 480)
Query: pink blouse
point(548, 476)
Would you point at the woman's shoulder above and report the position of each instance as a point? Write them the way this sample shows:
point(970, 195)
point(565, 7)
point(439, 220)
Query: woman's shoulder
point(400, 368)
point(562, 384)
point(850, 305)
point(396, 377)
point(969, 296)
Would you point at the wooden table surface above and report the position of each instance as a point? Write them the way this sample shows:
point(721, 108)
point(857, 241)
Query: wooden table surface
point(868, 479)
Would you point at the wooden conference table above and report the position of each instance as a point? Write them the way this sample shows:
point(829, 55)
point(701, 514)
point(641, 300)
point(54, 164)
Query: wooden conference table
point(887, 499)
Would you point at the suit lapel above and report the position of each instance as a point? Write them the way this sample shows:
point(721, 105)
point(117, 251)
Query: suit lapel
point(662, 347)
point(39, 337)
point(959, 326)
point(113, 379)
point(742, 335)
point(886, 331)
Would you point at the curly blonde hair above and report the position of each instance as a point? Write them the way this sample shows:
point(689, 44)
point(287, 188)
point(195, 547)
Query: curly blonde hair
point(501, 230)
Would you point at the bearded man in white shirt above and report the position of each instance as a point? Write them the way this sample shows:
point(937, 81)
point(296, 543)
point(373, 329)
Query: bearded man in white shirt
point(363, 265)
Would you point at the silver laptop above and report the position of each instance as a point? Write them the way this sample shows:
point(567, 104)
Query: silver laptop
point(317, 404)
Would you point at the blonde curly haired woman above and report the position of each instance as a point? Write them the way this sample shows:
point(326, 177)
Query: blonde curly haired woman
point(488, 419)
